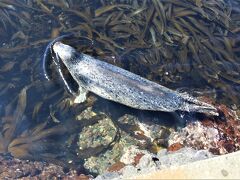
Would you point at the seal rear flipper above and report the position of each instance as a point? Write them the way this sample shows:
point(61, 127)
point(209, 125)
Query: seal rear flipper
point(82, 95)
point(191, 104)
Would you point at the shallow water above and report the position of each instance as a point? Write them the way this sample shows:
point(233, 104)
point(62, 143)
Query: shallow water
point(186, 46)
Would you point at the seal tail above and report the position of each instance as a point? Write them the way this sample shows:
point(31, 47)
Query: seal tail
point(191, 104)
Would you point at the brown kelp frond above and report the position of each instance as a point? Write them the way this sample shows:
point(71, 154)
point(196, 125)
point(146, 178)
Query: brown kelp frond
point(14, 120)
point(42, 140)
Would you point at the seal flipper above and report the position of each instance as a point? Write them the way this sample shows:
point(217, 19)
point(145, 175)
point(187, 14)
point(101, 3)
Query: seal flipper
point(82, 95)
point(66, 83)
point(48, 54)
point(191, 104)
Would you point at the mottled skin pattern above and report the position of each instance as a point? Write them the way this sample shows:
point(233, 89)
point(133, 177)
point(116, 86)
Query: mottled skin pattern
point(122, 86)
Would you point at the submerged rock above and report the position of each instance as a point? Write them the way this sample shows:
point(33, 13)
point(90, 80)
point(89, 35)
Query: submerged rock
point(102, 143)
point(147, 128)
point(12, 168)
point(106, 143)
point(106, 159)
point(99, 134)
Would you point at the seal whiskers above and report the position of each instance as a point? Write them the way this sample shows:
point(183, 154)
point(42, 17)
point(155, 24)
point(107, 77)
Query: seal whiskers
point(119, 85)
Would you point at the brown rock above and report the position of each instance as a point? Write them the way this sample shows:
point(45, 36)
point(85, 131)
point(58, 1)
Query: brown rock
point(175, 147)
point(116, 167)
point(137, 158)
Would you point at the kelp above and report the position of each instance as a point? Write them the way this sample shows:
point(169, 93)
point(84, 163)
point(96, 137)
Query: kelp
point(42, 140)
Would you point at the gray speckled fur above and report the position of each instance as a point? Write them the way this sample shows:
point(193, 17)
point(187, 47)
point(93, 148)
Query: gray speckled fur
point(122, 86)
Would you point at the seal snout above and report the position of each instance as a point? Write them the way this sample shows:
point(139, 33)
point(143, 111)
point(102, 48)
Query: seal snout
point(64, 51)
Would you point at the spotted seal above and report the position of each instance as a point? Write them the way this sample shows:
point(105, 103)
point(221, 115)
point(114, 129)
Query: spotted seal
point(119, 85)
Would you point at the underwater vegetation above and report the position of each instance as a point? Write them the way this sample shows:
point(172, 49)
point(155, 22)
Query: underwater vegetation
point(189, 44)
point(41, 140)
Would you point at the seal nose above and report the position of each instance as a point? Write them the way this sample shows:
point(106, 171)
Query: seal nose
point(64, 51)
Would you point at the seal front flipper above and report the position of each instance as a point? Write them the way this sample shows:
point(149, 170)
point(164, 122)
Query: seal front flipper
point(81, 96)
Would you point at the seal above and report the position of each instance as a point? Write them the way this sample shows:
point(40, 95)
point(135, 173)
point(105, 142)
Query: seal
point(119, 85)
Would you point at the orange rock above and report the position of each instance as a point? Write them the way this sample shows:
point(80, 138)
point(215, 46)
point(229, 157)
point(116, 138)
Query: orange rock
point(137, 158)
point(83, 177)
point(175, 147)
point(116, 167)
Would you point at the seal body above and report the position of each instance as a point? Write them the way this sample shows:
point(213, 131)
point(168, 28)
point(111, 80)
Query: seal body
point(119, 85)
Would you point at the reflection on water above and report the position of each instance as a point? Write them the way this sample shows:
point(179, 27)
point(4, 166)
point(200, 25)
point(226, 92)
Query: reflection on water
point(186, 45)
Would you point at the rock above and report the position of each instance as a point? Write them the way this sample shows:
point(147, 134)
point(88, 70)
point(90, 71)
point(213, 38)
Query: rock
point(137, 158)
point(99, 142)
point(130, 154)
point(182, 156)
point(86, 114)
point(195, 135)
point(12, 168)
point(99, 164)
point(116, 167)
point(146, 128)
point(219, 135)
point(110, 176)
point(175, 147)
point(127, 170)
point(164, 159)
point(101, 133)
point(147, 163)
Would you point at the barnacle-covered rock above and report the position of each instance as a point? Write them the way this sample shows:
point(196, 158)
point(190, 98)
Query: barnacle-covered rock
point(99, 164)
point(145, 128)
point(195, 135)
point(219, 136)
point(133, 133)
point(99, 134)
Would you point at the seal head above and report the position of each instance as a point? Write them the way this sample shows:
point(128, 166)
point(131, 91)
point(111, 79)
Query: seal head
point(66, 53)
